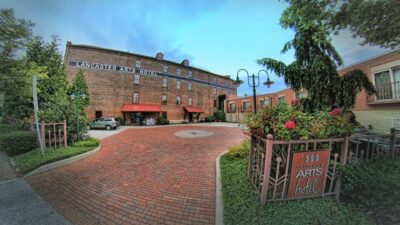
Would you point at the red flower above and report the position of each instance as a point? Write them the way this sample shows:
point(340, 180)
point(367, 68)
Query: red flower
point(335, 112)
point(290, 125)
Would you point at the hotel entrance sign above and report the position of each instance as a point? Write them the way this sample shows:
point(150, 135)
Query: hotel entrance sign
point(308, 174)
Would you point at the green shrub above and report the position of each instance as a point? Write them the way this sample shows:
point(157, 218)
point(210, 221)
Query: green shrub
point(219, 115)
point(374, 187)
point(239, 151)
point(120, 120)
point(210, 119)
point(14, 142)
point(162, 121)
point(90, 142)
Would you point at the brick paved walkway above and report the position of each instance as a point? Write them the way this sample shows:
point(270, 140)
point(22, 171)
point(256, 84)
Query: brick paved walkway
point(141, 176)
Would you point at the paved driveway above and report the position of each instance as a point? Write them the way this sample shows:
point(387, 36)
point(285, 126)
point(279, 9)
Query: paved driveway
point(141, 176)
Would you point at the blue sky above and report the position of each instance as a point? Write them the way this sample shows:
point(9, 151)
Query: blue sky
point(220, 36)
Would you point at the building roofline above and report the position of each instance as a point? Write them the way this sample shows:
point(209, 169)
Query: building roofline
point(368, 59)
point(250, 96)
point(144, 56)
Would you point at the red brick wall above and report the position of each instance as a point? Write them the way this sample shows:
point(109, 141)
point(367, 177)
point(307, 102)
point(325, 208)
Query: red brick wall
point(109, 90)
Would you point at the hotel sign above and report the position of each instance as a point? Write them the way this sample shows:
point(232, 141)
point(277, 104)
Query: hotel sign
point(308, 173)
point(115, 68)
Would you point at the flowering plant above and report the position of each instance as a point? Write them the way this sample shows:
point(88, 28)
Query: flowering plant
point(288, 123)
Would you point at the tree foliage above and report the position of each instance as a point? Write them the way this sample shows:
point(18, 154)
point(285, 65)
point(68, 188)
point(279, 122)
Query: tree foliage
point(316, 63)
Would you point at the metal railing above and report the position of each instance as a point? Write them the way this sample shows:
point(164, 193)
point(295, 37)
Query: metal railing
point(385, 92)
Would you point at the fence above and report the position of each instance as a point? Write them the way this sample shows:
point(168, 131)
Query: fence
point(54, 135)
point(285, 170)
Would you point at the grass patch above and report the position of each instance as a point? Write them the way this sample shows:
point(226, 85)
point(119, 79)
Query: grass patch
point(241, 204)
point(31, 160)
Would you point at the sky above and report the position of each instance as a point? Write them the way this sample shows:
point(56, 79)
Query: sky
point(219, 36)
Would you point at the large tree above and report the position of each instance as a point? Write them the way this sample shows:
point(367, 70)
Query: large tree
point(316, 62)
point(376, 22)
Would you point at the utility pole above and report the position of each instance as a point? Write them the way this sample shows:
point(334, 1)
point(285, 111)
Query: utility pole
point(36, 109)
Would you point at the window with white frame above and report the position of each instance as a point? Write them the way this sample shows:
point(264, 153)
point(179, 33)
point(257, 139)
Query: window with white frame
point(178, 84)
point(136, 79)
point(135, 97)
point(281, 98)
point(164, 99)
point(232, 107)
point(138, 64)
point(178, 100)
point(246, 105)
point(178, 71)
point(264, 102)
point(165, 69)
point(215, 80)
point(190, 74)
point(387, 84)
point(190, 86)
point(215, 91)
point(165, 82)
point(190, 101)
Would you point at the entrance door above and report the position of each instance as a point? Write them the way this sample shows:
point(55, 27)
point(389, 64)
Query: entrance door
point(221, 99)
point(136, 118)
point(190, 117)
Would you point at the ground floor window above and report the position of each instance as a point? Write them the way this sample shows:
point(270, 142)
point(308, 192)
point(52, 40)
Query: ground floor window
point(164, 114)
point(99, 114)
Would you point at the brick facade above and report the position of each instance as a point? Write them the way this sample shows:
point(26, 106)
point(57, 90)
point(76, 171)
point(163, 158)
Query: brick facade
point(110, 77)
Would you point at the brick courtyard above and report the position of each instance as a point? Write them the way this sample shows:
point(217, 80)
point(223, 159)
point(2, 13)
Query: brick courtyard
point(141, 176)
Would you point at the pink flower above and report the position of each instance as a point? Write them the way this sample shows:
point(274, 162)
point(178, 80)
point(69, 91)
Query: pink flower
point(290, 125)
point(335, 112)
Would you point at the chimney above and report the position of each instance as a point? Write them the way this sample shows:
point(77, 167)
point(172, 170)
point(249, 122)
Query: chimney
point(160, 56)
point(185, 62)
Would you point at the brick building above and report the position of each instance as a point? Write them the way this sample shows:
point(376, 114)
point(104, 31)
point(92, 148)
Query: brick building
point(140, 88)
point(379, 112)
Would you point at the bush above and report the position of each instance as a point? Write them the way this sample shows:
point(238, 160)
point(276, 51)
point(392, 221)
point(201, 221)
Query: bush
point(120, 120)
point(14, 142)
point(210, 119)
point(162, 121)
point(374, 187)
point(90, 142)
point(219, 115)
point(240, 151)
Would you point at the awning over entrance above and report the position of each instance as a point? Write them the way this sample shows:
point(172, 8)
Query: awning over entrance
point(140, 108)
point(191, 109)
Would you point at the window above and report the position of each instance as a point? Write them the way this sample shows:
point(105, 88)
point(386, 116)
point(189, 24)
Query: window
point(164, 99)
point(138, 63)
point(190, 86)
point(215, 80)
point(232, 107)
point(300, 95)
point(178, 84)
point(190, 101)
point(178, 100)
point(135, 97)
point(264, 102)
point(136, 79)
point(165, 82)
point(387, 84)
point(245, 105)
point(215, 103)
point(215, 91)
point(165, 69)
point(99, 114)
point(164, 114)
point(178, 71)
point(281, 98)
point(190, 74)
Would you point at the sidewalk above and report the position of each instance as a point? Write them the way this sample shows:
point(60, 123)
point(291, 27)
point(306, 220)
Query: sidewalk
point(20, 205)
point(6, 172)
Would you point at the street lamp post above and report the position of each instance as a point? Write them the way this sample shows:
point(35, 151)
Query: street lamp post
point(77, 97)
point(255, 82)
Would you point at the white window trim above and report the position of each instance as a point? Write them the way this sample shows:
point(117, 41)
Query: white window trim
point(391, 76)
point(178, 84)
point(138, 62)
point(138, 79)
point(190, 86)
point(133, 97)
point(190, 101)
point(166, 82)
point(243, 105)
point(165, 69)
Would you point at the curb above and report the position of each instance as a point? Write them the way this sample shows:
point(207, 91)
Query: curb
point(219, 207)
point(53, 165)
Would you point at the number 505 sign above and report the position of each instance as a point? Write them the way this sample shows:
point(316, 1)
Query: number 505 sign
point(308, 173)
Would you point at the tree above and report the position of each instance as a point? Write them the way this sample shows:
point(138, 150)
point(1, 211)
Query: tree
point(377, 22)
point(315, 67)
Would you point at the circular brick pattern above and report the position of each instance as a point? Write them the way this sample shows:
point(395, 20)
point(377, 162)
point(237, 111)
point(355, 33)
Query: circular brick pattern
point(193, 133)
point(141, 176)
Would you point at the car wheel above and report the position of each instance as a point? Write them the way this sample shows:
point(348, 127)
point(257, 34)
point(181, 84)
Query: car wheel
point(108, 127)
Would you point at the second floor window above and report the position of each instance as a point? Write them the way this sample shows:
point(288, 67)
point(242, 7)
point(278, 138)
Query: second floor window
point(165, 82)
point(138, 63)
point(178, 71)
point(190, 101)
point(387, 84)
point(178, 100)
point(190, 86)
point(135, 97)
point(136, 80)
point(164, 99)
point(190, 74)
point(178, 84)
point(165, 69)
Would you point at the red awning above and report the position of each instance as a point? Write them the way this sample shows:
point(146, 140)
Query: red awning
point(193, 109)
point(140, 108)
